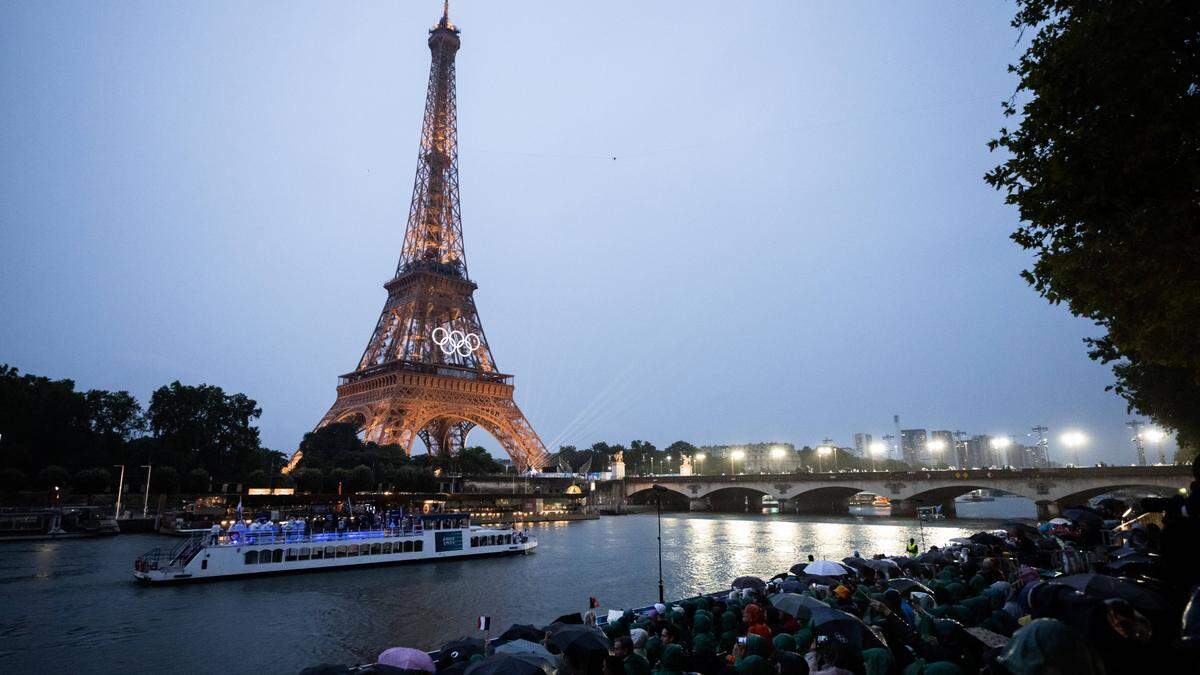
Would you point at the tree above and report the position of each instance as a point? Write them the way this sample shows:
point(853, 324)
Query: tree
point(476, 461)
point(212, 428)
point(53, 475)
point(197, 481)
point(165, 480)
point(115, 415)
point(92, 481)
point(1103, 169)
point(13, 480)
point(309, 480)
point(362, 478)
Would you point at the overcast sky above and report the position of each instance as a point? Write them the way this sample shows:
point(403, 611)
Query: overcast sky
point(700, 220)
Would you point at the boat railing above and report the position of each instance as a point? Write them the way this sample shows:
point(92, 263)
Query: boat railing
point(250, 538)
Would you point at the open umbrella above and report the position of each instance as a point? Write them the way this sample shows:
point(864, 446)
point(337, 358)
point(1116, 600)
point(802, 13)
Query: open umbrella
point(406, 658)
point(1085, 517)
point(799, 606)
point(987, 539)
point(1059, 521)
point(525, 647)
point(1105, 587)
point(522, 631)
point(845, 628)
point(794, 585)
point(753, 583)
point(934, 557)
point(461, 649)
point(888, 567)
point(854, 563)
point(510, 664)
point(1021, 528)
point(826, 568)
point(904, 562)
point(573, 618)
point(906, 585)
point(577, 639)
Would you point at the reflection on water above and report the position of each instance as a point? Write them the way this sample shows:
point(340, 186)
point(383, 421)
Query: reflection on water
point(73, 603)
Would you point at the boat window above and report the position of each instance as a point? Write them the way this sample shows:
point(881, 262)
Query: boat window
point(364, 549)
point(387, 548)
point(408, 547)
point(419, 545)
point(204, 564)
point(304, 553)
point(341, 551)
point(251, 557)
point(329, 551)
point(278, 555)
point(376, 549)
point(351, 550)
point(318, 553)
point(474, 541)
point(290, 555)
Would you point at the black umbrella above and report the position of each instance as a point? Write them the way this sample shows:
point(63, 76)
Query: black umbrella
point(510, 664)
point(844, 628)
point(794, 585)
point(887, 567)
point(1105, 587)
point(1085, 517)
point(779, 577)
point(577, 639)
point(1025, 528)
point(908, 585)
point(858, 564)
point(1134, 561)
point(575, 618)
point(1113, 505)
point(750, 582)
point(934, 557)
point(987, 539)
point(461, 649)
point(522, 631)
point(904, 562)
point(799, 606)
point(798, 568)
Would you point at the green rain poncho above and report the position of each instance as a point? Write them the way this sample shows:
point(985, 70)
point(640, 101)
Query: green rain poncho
point(654, 649)
point(704, 646)
point(673, 661)
point(753, 665)
point(784, 642)
point(757, 646)
point(1048, 645)
point(804, 639)
point(919, 667)
point(701, 624)
point(635, 664)
point(877, 661)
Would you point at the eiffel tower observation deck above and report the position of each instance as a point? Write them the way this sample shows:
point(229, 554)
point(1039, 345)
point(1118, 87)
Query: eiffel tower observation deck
point(427, 370)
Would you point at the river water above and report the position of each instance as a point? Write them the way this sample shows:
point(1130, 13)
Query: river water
point(73, 605)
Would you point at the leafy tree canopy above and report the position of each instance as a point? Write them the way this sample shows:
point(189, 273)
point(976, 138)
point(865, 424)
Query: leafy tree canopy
point(1104, 169)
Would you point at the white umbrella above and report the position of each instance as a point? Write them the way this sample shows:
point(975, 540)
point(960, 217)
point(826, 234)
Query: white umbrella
point(1059, 521)
point(826, 568)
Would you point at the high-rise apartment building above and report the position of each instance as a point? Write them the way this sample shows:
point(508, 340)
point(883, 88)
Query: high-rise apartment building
point(913, 448)
point(862, 444)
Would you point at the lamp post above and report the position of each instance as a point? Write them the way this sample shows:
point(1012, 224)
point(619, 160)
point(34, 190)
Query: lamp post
point(146, 501)
point(877, 448)
point(658, 493)
point(777, 455)
point(699, 457)
point(1073, 440)
point(667, 468)
point(822, 451)
point(936, 447)
point(1155, 437)
point(120, 484)
point(1001, 443)
point(734, 457)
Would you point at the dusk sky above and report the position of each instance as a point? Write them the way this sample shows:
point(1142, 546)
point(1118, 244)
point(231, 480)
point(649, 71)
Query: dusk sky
point(712, 221)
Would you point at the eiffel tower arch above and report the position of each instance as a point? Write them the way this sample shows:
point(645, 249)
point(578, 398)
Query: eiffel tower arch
point(428, 372)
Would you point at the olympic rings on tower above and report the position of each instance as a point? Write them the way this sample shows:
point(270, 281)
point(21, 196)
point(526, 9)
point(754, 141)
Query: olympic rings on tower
point(451, 341)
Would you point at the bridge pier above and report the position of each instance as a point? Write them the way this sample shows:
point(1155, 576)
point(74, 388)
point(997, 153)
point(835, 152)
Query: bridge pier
point(735, 501)
point(1047, 510)
point(698, 504)
point(904, 508)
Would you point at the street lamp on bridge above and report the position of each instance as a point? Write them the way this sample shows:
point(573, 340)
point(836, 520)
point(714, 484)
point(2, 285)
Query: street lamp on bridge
point(777, 454)
point(877, 448)
point(936, 447)
point(1000, 444)
point(1073, 440)
point(1155, 437)
point(823, 451)
point(735, 456)
point(699, 459)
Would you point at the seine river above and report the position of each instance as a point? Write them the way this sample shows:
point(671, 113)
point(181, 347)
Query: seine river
point(72, 605)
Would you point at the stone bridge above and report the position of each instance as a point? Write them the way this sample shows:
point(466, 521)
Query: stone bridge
point(1050, 489)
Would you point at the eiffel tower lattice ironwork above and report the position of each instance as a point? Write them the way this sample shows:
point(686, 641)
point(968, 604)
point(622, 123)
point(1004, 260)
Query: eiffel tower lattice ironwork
point(427, 370)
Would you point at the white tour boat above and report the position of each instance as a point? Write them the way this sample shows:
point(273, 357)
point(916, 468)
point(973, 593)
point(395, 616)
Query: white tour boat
point(273, 550)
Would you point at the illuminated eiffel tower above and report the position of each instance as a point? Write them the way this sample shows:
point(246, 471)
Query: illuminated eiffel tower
point(427, 370)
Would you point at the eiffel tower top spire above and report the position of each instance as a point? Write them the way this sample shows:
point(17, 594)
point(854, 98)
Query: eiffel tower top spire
point(433, 236)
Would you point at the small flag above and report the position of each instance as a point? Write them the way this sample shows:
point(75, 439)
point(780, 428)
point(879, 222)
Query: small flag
point(593, 603)
point(485, 623)
point(239, 509)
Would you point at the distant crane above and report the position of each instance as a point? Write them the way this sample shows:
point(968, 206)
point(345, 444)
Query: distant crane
point(1043, 441)
point(1136, 426)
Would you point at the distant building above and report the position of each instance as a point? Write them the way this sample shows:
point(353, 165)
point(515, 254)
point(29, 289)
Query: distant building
point(756, 458)
point(913, 447)
point(946, 455)
point(979, 452)
point(862, 444)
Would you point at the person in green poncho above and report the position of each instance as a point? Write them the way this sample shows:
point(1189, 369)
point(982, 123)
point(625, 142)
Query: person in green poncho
point(878, 661)
point(633, 662)
point(673, 661)
point(752, 665)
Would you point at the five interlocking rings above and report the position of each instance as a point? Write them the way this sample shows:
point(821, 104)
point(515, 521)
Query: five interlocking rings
point(452, 341)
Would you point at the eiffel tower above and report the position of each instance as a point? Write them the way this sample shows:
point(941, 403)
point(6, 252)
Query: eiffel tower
point(427, 370)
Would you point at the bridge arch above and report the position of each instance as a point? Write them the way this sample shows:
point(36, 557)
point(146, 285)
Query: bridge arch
point(830, 499)
point(673, 498)
point(735, 498)
point(1081, 497)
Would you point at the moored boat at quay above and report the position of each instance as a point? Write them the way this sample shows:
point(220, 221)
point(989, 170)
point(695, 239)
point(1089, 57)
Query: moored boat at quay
point(239, 552)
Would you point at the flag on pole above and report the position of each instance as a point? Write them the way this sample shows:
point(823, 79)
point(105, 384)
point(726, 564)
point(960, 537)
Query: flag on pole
point(485, 623)
point(239, 508)
point(593, 603)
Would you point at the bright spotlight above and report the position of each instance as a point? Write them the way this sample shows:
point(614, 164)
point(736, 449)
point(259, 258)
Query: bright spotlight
point(699, 456)
point(1073, 439)
point(937, 445)
point(1001, 442)
point(1153, 435)
point(824, 450)
point(737, 455)
point(878, 448)
point(777, 453)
